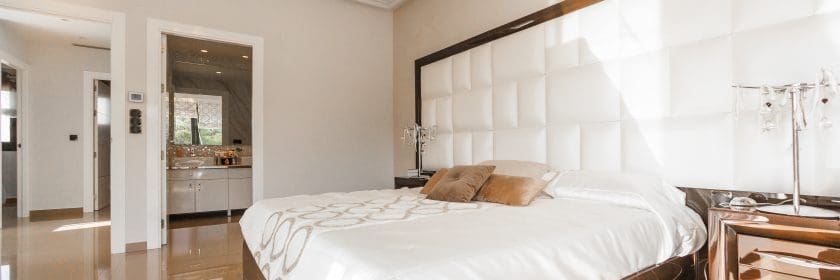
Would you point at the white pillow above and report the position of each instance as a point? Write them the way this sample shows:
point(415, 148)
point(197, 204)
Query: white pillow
point(582, 184)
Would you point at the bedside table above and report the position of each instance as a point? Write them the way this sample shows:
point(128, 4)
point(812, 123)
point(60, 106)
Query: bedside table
point(747, 244)
point(411, 182)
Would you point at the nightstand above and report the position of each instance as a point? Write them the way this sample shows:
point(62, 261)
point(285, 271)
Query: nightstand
point(747, 244)
point(411, 182)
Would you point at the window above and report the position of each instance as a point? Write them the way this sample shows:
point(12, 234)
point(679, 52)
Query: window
point(198, 119)
point(8, 115)
point(8, 125)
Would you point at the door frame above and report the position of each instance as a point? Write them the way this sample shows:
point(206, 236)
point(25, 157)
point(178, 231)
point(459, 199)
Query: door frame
point(89, 142)
point(23, 99)
point(154, 147)
point(118, 104)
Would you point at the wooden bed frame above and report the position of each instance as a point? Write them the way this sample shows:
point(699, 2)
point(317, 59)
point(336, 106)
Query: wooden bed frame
point(690, 267)
point(682, 268)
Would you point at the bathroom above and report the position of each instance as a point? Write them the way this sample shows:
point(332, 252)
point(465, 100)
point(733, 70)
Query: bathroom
point(208, 133)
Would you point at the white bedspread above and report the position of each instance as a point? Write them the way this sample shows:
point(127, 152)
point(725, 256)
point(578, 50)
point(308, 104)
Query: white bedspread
point(396, 234)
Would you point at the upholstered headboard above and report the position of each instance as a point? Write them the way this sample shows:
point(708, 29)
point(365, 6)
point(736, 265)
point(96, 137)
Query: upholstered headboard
point(626, 87)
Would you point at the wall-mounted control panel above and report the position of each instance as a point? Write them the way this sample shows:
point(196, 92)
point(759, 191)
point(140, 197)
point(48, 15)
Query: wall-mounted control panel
point(135, 96)
point(135, 121)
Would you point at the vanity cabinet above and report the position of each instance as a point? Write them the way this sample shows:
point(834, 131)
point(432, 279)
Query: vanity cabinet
point(207, 190)
point(211, 195)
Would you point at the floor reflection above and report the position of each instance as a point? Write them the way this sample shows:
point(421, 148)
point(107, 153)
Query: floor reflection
point(79, 249)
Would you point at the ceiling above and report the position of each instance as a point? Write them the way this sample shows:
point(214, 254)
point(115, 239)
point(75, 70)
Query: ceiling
point(214, 48)
point(50, 28)
point(384, 4)
point(229, 59)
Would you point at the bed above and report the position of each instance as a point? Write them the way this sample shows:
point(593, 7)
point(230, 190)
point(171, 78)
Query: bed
point(398, 234)
point(492, 97)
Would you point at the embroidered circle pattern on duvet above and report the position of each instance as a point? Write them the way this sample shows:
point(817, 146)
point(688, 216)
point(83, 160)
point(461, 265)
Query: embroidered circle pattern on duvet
point(287, 232)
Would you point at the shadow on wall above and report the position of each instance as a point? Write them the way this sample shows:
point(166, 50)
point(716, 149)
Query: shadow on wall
point(677, 113)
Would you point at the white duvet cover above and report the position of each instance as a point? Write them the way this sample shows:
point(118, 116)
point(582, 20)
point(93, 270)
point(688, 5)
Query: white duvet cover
point(397, 234)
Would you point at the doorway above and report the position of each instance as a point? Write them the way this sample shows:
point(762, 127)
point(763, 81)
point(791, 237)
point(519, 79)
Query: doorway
point(102, 142)
point(97, 140)
point(207, 131)
point(71, 29)
point(158, 118)
point(9, 137)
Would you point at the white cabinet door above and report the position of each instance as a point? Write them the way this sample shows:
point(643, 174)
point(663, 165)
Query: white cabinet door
point(211, 195)
point(239, 193)
point(181, 198)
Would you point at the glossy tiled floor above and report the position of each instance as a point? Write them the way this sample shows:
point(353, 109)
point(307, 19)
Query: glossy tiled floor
point(79, 249)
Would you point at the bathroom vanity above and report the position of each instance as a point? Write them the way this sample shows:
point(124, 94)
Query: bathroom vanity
point(208, 189)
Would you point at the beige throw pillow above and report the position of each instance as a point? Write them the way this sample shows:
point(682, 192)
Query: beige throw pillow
point(510, 190)
point(461, 183)
point(427, 188)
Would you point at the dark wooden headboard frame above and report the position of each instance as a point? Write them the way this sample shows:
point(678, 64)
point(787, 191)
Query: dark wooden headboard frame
point(552, 12)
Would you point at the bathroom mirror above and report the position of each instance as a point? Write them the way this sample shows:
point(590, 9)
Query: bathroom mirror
point(209, 86)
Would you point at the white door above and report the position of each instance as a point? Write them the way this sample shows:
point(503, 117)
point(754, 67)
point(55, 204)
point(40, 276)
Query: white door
point(164, 117)
point(102, 132)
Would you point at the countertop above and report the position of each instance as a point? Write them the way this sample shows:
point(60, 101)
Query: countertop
point(207, 167)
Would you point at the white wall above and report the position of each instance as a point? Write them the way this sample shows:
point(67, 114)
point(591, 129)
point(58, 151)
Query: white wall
point(55, 113)
point(642, 86)
point(55, 101)
point(328, 90)
point(11, 42)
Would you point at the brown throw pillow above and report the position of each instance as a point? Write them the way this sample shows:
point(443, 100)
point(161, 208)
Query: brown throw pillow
point(510, 190)
point(427, 188)
point(461, 183)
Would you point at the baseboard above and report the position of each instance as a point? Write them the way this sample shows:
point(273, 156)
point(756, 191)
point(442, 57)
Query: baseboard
point(56, 214)
point(134, 247)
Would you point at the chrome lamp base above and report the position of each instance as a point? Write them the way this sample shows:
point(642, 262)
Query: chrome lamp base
point(804, 211)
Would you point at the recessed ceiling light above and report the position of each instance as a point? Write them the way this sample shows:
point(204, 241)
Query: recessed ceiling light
point(204, 51)
point(218, 72)
point(244, 56)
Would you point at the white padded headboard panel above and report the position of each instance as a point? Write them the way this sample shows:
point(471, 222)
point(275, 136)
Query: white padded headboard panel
point(641, 87)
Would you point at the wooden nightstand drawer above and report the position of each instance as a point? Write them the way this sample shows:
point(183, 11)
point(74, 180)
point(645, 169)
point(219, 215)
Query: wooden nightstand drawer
point(751, 273)
point(747, 244)
point(409, 182)
point(791, 258)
